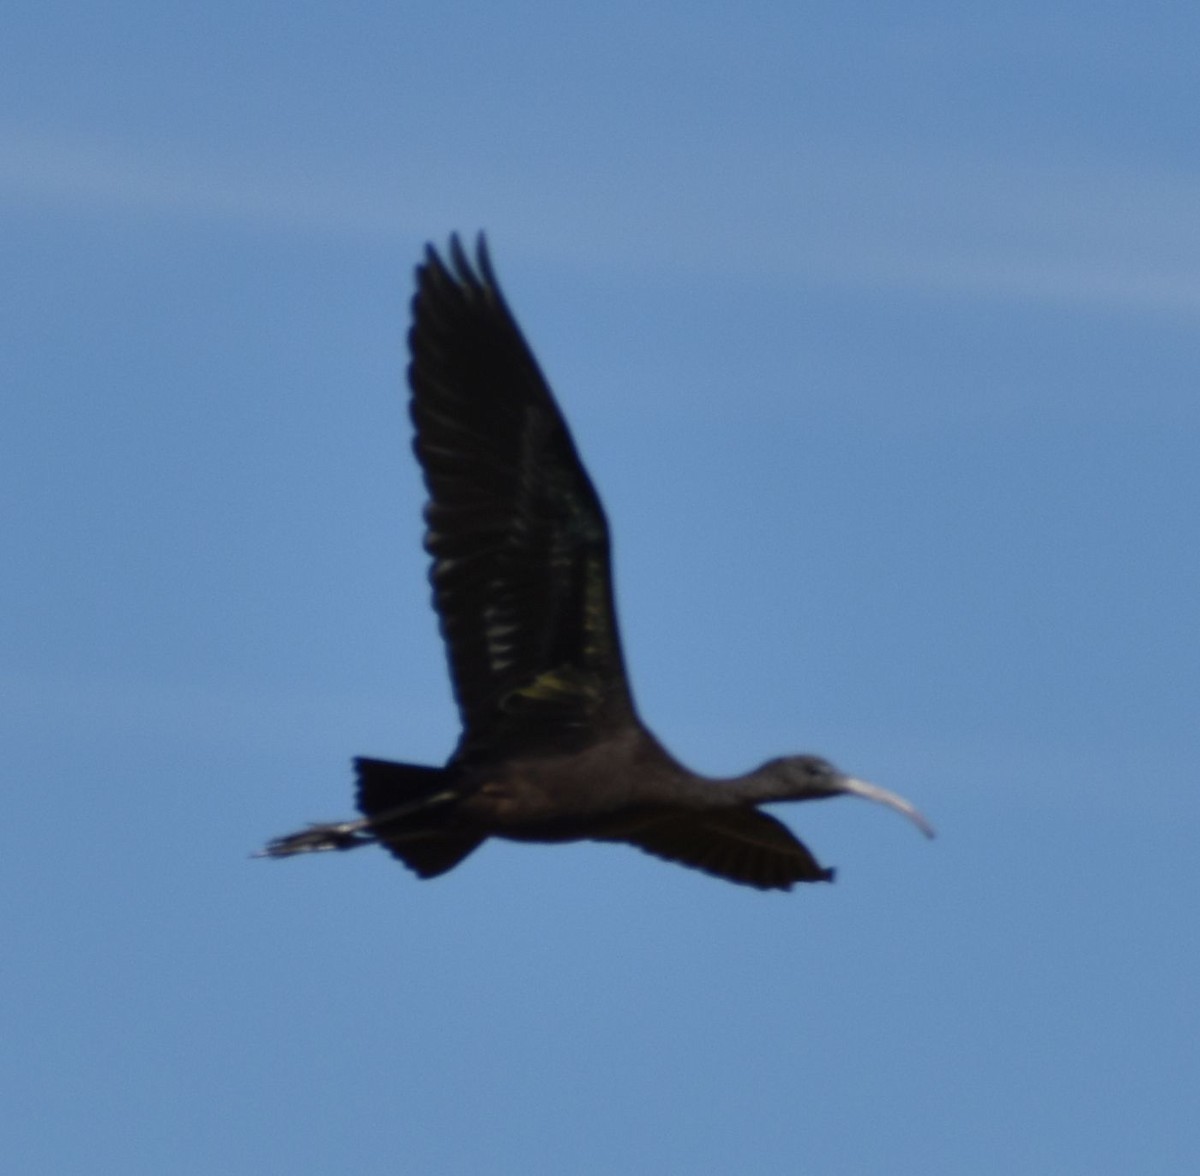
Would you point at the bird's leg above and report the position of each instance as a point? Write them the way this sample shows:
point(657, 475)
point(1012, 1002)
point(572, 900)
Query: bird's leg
point(318, 837)
point(351, 834)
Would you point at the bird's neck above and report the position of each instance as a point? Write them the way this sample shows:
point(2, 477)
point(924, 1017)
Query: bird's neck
point(760, 786)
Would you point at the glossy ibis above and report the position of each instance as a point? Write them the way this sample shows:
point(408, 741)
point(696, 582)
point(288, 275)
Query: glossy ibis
point(552, 747)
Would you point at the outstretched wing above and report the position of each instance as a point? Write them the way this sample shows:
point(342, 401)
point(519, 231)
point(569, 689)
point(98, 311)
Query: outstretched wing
point(520, 545)
point(739, 844)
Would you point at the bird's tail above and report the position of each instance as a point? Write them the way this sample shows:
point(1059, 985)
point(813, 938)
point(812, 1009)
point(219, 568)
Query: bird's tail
point(410, 810)
point(388, 790)
point(407, 808)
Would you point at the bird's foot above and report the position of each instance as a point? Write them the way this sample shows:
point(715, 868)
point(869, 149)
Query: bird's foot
point(316, 838)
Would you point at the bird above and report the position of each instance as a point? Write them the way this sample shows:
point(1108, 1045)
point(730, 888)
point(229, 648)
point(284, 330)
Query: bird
point(552, 747)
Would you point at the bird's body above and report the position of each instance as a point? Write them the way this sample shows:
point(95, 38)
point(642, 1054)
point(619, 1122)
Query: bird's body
point(552, 747)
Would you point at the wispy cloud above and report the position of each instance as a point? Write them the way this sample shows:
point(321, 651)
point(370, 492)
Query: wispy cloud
point(1057, 235)
point(1082, 281)
point(108, 176)
point(974, 228)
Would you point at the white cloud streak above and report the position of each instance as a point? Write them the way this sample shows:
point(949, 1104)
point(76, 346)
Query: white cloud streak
point(1126, 242)
point(109, 177)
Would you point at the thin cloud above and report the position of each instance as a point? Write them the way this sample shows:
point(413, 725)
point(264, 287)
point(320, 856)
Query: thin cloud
point(96, 175)
point(969, 227)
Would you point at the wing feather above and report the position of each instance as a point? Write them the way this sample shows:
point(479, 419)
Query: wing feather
point(739, 844)
point(519, 542)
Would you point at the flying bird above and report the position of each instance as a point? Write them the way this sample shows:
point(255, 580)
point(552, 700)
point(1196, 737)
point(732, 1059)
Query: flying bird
point(552, 746)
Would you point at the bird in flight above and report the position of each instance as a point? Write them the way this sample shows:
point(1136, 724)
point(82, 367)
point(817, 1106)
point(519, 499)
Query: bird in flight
point(552, 747)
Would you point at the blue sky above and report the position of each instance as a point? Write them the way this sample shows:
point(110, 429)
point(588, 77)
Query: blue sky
point(878, 328)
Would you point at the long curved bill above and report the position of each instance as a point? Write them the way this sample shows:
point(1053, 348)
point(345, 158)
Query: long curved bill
point(873, 792)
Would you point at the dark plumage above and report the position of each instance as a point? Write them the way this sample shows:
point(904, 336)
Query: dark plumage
point(552, 748)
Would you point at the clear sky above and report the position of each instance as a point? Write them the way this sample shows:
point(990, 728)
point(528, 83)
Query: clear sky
point(879, 328)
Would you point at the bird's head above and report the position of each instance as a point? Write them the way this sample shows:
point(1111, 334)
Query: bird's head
point(809, 777)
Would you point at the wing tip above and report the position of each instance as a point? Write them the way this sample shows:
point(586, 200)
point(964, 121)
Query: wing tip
point(456, 263)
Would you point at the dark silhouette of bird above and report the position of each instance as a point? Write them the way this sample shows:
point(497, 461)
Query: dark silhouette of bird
point(552, 747)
